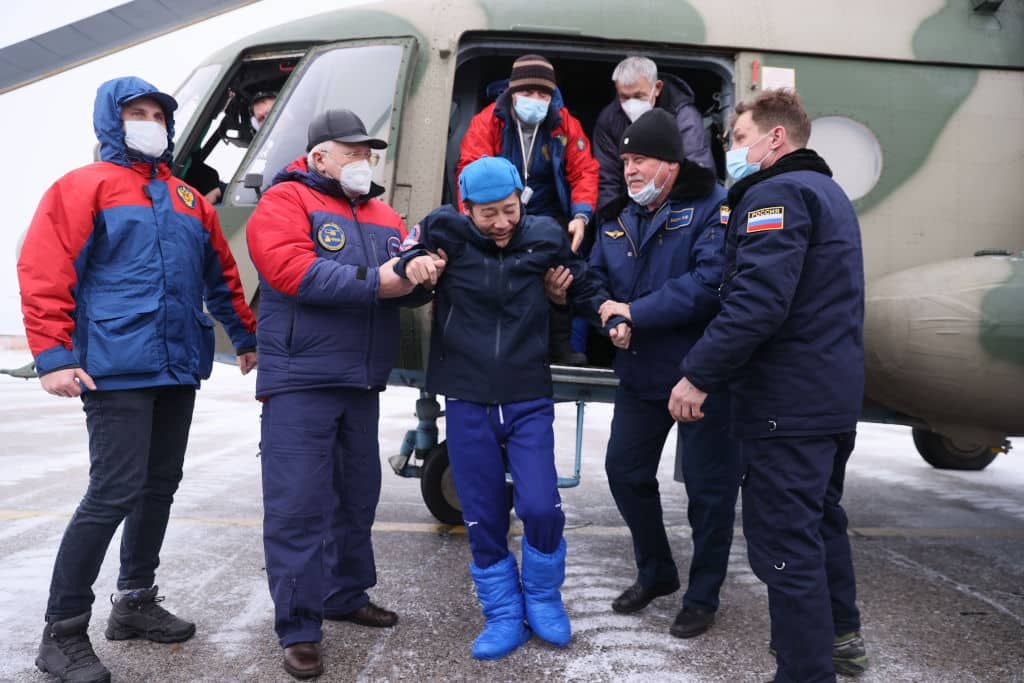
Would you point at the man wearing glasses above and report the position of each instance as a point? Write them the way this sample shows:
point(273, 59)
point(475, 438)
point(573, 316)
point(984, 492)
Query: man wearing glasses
point(325, 250)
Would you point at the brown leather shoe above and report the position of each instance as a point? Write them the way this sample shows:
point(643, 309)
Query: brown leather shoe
point(303, 660)
point(367, 615)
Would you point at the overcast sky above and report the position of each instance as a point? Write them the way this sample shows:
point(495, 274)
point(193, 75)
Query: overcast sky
point(47, 126)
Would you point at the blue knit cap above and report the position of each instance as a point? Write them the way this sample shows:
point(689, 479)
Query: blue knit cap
point(489, 179)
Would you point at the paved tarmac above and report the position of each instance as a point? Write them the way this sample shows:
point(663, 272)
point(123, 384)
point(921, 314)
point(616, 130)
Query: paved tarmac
point(939, 556)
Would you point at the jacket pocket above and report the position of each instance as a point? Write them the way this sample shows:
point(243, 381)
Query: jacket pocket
point(205, 343)
point(124, 338)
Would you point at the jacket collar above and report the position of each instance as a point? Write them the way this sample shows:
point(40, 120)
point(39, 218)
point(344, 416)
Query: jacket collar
point(299, 171)
point(800, 160)
point(693, 182)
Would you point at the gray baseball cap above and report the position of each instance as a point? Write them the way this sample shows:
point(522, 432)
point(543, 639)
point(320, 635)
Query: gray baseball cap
point(341, 125)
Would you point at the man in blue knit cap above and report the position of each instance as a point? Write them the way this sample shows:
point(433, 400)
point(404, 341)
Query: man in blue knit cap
point(487, 353)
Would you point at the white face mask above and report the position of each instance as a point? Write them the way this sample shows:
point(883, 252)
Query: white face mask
point(649, 192)
point(148, 138)
point(635, 107)
point(255, 123)
point(355, 178)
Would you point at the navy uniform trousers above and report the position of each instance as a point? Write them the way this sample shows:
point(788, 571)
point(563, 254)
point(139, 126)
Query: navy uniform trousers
point(797, 544)
point(321, 483)
point(711, 473)
point(475, 434)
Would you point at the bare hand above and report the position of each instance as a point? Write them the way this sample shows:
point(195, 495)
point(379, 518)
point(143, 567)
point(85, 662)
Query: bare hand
point(425, 270)
point(214, 195)
point(246, 361)
point(609, 309)
point(686, 401)
point(67, 382)
point(390, 284)
point(556, 284)
point(577, 228)
point(621, 335)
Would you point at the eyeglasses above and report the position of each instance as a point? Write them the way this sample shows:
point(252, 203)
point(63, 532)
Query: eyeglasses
point(370, 157)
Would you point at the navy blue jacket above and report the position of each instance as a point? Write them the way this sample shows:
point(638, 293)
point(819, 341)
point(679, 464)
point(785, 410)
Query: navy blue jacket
point(321, 324)
point(789, 337)
point(677, 99)
point(667, 265)
point(489, 338)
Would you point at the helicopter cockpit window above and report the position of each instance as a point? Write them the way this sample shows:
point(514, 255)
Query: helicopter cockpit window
point(219, 146)
point(362, 78)
point(190, 95)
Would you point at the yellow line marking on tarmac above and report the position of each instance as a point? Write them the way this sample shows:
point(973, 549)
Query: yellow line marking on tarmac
point(582, 530)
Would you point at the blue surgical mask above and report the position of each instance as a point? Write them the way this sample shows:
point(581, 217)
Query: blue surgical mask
point(649, 192)
point(531, 110)
point(736, 163)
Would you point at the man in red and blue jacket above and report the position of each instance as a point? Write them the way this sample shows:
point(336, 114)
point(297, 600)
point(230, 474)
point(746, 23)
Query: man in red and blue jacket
point(116, 266)
point(325, 249)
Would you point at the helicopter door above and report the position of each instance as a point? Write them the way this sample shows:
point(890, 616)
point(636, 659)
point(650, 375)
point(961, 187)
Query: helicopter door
point(367, 76)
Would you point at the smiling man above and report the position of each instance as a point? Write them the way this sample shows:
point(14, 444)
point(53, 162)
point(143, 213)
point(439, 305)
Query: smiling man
point(487, 358)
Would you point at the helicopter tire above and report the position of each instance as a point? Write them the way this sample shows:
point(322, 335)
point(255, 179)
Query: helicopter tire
point(942, 453)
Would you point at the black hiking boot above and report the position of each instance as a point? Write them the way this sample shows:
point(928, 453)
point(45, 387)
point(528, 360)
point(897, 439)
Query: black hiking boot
point(139, 615)
point(66, 652)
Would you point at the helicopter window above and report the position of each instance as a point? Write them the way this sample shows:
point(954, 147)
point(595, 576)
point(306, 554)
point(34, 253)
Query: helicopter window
point(218, 139)
point(362, 78)
point(190, 95)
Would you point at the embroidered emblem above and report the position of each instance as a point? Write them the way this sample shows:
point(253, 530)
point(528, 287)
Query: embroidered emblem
point(562, 138)
point(187, 196)
point(545, 152)
point(679, 218)
point(723, 214)
point(394, 246)
point(614, 234)
point(770, 218)
point(331, 237)
point(412, 239)
point(581, 144)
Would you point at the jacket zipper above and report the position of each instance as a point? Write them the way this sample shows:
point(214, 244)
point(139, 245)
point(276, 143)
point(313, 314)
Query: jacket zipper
point(501, 294)
point(370, 263)
point(444, 330)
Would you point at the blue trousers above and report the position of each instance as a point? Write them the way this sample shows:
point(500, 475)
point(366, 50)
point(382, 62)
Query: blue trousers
point(711, 473)
point(797, 544)
point(137, 441)
point(476, 434)
point(321, 483)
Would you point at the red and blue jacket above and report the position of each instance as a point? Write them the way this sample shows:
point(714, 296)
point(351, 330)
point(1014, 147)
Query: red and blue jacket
point(667, 265)
point(317, 253)
point(118, 261)
point(562, 171)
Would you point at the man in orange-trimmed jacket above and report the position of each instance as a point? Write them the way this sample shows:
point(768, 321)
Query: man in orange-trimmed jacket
point(530, 122)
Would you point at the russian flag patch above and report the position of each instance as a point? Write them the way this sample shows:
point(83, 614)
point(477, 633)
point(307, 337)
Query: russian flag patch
point(770, 218)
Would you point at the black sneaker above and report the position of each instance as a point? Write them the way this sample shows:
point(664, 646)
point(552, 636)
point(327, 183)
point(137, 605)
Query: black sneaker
point(139, 615)
point(691, 621)
point(67, 653)
point(849, 655)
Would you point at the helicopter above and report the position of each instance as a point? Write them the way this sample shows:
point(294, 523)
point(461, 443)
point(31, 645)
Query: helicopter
point(915, 105)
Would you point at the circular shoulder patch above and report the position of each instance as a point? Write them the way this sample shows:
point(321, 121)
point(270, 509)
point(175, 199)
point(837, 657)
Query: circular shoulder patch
point(394, 246)
point(331, 237)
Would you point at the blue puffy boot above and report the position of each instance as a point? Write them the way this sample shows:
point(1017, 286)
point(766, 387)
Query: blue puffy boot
point(542, 577)
point(501, 598)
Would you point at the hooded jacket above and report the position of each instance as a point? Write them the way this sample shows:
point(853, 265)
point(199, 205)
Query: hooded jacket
point(562, 170)
point(118, 261)
point(789, 340)
point(677, 99)
point(489, 338)
point(667, 265)
point(317, 253)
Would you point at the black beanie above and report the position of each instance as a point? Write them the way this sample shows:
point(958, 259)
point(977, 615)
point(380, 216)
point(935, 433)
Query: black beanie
point(532, 72)
point(655, 135)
